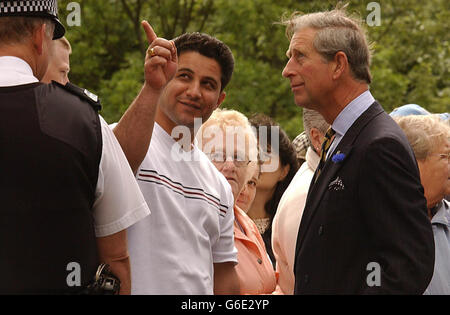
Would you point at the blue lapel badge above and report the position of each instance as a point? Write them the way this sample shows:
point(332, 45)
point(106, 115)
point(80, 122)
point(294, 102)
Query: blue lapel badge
point(338, 157)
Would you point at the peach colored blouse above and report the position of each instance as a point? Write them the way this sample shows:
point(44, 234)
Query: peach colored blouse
point(254, 268)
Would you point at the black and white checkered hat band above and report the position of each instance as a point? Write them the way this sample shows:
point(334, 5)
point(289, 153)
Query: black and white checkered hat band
point(34, 8)
point(29, 6)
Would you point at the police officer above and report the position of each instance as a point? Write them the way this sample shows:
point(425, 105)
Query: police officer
point(67, 192)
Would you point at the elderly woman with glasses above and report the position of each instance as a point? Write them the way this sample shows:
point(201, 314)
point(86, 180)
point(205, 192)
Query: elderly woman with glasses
point(229, 142)
point(430, 139)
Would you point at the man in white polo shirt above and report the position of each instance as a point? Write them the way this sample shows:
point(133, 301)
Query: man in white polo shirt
point(187, 246)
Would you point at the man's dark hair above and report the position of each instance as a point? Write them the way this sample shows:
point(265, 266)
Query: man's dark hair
point(210, 47)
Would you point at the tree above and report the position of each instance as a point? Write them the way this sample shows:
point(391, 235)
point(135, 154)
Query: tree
point(411, 59)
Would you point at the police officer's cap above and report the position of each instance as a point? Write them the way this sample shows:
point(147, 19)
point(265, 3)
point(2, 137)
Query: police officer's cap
point(34, 8)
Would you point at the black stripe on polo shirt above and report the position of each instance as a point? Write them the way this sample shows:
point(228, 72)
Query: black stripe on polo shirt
point(199, 194)
point(186, 187)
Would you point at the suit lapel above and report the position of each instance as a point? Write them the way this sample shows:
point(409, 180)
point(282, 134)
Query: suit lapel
point(317, 190)
point(330, 168)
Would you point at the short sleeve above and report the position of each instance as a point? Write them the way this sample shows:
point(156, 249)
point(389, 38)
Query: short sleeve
point(224, 249)
point(119, 202)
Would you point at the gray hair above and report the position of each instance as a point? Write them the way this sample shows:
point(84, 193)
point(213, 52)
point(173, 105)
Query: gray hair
point(232, 123)
point(425, 133)
point(312, 119)
point(336, 31)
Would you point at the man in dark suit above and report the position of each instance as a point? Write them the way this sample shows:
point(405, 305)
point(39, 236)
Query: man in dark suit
point(364, 228)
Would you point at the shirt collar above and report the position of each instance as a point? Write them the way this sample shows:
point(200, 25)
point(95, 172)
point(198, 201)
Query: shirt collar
point(157, 129)
point(441, 216)
point(351, 112)
point(15, 71)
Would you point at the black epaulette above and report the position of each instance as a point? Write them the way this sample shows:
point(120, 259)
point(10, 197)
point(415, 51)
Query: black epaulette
point(83, 94)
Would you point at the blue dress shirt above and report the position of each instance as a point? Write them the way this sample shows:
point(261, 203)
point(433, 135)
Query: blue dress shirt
point(348, 116)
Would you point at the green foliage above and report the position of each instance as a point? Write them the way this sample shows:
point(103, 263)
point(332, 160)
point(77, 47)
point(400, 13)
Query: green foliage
point(412, 62)
point(118, 92)
point(100, 44)
point(410, 65)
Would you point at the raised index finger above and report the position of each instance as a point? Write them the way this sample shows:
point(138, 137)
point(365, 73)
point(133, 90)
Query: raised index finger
point(151, 35)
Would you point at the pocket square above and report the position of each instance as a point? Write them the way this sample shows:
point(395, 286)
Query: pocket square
point(336, 184)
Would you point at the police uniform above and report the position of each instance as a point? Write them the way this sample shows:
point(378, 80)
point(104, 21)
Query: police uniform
point(34, 8)
point(64, 179)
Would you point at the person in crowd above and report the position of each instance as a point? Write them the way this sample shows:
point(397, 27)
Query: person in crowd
point(446, 119)
point(409, 109)
point(186, 246)
point(414, 109)
point(287, 218)
point(248, 193)
point(364, 228)
point(59, 65)
point(430, 140)
point(301, 145)
point(228, 140)
point(68, 193)
point(279, 167)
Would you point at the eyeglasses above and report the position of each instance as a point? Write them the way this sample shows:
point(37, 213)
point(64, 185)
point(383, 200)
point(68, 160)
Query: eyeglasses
point(220, 158)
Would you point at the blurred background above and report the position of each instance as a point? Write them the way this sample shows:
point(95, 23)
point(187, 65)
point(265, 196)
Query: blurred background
point(411, 61)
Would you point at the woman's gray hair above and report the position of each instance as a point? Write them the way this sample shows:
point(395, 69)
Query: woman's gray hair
point(312, 119)
point(232, 123)
point(425, 133)
point(336, 31)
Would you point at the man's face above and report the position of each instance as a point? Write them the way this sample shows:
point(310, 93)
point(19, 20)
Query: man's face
point(308, 72)
point(194, 92)
point(59, 65)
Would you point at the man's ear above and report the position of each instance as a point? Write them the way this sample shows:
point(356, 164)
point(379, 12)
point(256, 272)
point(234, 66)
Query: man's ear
point(39, 38)
point(221, 99)
point(316, 139)
point(340, 64)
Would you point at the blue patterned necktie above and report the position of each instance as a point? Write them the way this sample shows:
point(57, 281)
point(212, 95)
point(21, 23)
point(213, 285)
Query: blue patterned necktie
point(329, 137)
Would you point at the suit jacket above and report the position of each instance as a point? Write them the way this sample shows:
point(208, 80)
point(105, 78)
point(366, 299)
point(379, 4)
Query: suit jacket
point(365, 228)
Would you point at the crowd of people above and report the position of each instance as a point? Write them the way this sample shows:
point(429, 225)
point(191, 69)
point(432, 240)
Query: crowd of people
point(183, 197)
